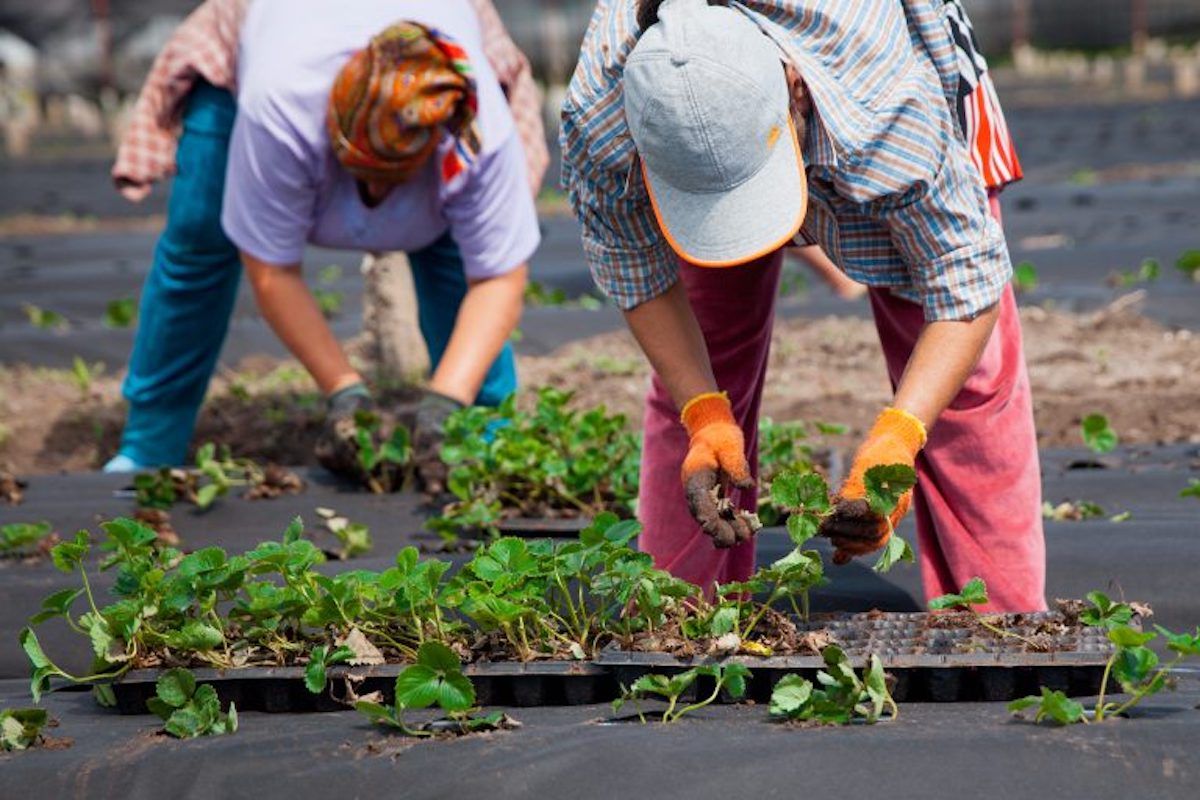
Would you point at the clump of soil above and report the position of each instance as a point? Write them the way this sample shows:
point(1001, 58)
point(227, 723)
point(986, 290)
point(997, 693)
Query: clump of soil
point(276, 482)
point(12, 489)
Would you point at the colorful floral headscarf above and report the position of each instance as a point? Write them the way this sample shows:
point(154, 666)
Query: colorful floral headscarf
point(392, 100)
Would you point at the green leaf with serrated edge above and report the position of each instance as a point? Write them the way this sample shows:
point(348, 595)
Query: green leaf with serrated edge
point(438, 656)
point(802, 527)
point(1187, 644)
point(1059, 708)
point(790, 696)
point(896, 550)
point(67, 556)
point(294, 531)
point(875, 682)
point(1128, 637)
point(417, 687)
point(1097, 434)
point(1131, 666)
point(1022, 703)
point(195, 636)
point(723, 621)
point(973, 593)
point(56, 605)
point(43, 668)
point(376, 713)
point(885, 484)
point(175, 687)
point(185, 723)
point(733, 679)
point(800, 491)
point(159, 709)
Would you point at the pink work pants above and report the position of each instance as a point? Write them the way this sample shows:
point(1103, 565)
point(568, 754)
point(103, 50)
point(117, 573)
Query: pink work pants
point(978, 497)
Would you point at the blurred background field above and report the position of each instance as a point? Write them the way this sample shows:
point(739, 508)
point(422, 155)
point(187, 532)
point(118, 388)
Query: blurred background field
point(1103, 98)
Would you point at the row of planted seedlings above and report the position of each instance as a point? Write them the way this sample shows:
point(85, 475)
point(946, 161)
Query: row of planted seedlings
point(515, 601)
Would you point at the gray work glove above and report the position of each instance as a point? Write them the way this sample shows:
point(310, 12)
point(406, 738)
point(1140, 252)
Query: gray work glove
point(428, 434)
point(336, 448)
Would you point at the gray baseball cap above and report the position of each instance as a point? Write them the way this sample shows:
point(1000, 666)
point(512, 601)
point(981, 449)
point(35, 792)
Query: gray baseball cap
point(708, 106)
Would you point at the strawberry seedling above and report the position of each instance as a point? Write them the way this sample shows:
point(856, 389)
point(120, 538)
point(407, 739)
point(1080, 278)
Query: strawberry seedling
point(24, 539)
point(1025, 277)
point(551, 461)
point(1192, 489)
point(46, 320)
point(190, 711)
point(974, 593)
point(1097, 434)
point(435, 680)
point(382, 458)
point(1134, 666)
point(784, 446)
point(354, 538)
point(120, 313)
point(1189, 264)
point(730, 678)
point(1071, 511)
point(804, 495)
point(841, 697)
point(21, 728)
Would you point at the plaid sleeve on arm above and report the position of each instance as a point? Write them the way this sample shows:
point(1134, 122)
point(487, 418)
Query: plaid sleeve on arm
point(627, 254)
point(934, 207)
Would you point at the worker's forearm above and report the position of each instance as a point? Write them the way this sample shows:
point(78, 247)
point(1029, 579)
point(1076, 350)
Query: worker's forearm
point(941, 362)
point(288, 306)
point(670, 337)
point(489, 314)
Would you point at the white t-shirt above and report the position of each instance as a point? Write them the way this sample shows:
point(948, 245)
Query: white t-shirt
point(285, 188)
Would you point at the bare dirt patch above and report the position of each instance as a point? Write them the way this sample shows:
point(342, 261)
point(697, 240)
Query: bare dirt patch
point(1145, 377)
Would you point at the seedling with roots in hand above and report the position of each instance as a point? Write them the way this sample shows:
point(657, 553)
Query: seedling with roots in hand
point(804, 496)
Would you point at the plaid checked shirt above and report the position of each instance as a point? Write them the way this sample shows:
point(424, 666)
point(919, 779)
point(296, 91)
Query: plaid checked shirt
point(893, 196)
point(205, 46)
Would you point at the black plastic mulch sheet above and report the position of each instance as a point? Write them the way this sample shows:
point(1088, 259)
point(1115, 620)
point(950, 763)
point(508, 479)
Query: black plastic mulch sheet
point(931, 751)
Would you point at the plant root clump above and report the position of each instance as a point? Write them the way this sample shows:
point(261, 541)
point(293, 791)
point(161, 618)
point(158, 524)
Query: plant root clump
point(276, 482)
point(12, 489)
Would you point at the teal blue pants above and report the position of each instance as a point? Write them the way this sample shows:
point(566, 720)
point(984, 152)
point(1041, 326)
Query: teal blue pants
point(189, 295)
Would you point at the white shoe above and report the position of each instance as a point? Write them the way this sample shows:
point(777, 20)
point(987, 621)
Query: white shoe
point(122, 463)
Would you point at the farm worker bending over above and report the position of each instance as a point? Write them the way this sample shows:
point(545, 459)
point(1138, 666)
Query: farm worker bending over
point(189, 294)
point(698, 140)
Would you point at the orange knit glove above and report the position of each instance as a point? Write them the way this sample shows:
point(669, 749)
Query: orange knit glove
point(854, 528)
point(716, 452)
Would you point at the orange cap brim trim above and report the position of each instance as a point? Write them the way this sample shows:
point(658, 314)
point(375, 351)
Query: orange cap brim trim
point(737, 262)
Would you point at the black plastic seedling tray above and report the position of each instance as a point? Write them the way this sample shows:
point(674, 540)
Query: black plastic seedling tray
point(928, 662)
point(282, 689)
point(543, 527)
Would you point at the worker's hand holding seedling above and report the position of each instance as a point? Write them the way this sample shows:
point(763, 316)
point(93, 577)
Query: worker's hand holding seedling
point(855, 526)
point(337, 448)
point(428, 434)
point(716, 456)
